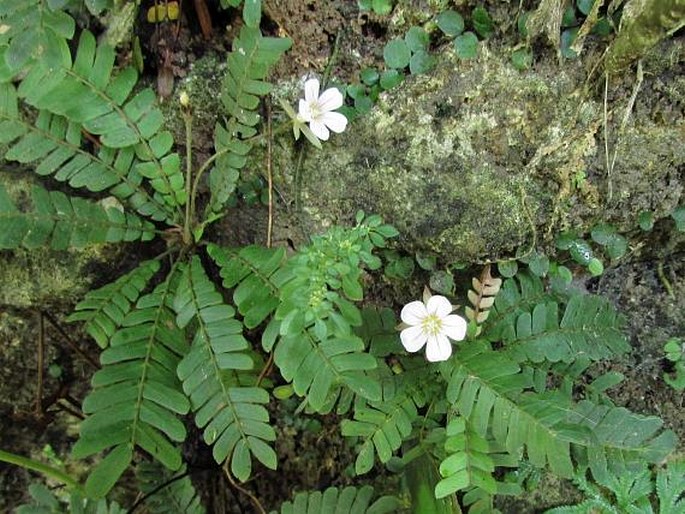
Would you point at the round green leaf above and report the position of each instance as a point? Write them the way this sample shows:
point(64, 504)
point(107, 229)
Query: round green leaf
point(603, 233)
point(581, 252)
point(646, 220)
point(568, 19)
point(416, 39)
point(426, 262)
point(382, 7)
point(482, 22)
point(421, 62)
point(602, 28)
point(522, 59)
point(585, 6)
point(390, 79)
point(507, 268)
point(363, 104)
point(369, 76)
point(595, 267)
point(565, 240)
point(617, 247)
point(565, 274)
point(451, 23)
point(567, 38)
point(678, 216)
point(466, 46)
point(396, 54)
point(283, 392)
point(355, 90)
point(539, 265)
point(441, 282)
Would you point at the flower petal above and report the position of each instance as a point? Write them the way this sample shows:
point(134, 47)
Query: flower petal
point(413, 338)
point(454, 327)
point(439, 305)
point(311, 90)
point(438, 348)
point(319, 129)
point(304, 112)
point(334, 121)
point(413, 313)
point(330, 100)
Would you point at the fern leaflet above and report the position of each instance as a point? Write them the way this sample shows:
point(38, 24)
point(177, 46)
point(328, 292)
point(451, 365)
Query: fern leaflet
point(55, 144)
point(248, 65)
point(85, 93)
point(233, 417)
point(136, 396)
point(169, 494)
point(104, 309)
point(350, 500)
point(62, 222)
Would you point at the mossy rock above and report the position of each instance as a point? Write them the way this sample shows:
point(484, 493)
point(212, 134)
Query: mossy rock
point(478, 159)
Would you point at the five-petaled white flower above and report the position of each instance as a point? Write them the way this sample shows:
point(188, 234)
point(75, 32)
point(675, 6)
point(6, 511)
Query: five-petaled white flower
point(317, 110)
point(431, 324)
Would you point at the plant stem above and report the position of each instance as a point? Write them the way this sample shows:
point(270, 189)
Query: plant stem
point(26, 463)
point(223, 151)
point(190, 198)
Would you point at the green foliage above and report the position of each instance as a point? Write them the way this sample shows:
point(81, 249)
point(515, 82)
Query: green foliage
point(396, 54)
point(61, 222)
point(381, 7)
point(136, 395)
point(674, 353)
point(248, 65)
point(468, 462)
point(232, 417)
point(104, 309)
point(45, 502)
point(450, 22)
point(169, 494)
point(678, 216)
point(466, 46)
point(350, 500)
point(632, 493)
point(482, 22)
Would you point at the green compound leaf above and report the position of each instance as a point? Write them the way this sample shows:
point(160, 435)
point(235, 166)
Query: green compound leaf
point(167, 493)
point(61, 222)
point(233, 417)
point(396, 54)
point(249, 63)
point(466, 46)
point(104, 309)
point(467, 463)
point(136, 397)
point(350, 500)
point(450, 22)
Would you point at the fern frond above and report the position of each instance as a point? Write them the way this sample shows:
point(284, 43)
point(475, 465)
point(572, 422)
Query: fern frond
point(61, 222)
point(85, 93)
point(256, 274)
point(482, 298)
point(233, 418)
point(45, 502)
point(670, 488)
point(621, 440)
point(350, 500)
point(32, 30)
point(468, 463)
point(136, 395)
point(481, 383)
point(248, 65)
point(170, 494)
point(382, 425)
point(55, 145)
point(104, 309)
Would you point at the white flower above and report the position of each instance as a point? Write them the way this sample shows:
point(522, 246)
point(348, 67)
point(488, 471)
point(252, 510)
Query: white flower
point(431, 324)
point(317, 110)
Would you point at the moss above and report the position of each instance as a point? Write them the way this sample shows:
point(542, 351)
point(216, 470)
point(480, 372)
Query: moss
point(472, 160)
point(41, 277)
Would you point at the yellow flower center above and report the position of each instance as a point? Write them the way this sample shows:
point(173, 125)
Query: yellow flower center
point(431, 325)
point(314, 109)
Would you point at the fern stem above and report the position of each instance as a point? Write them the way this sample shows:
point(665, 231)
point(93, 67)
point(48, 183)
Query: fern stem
point(190, 201)
point(210, 161)
point(44, 469)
